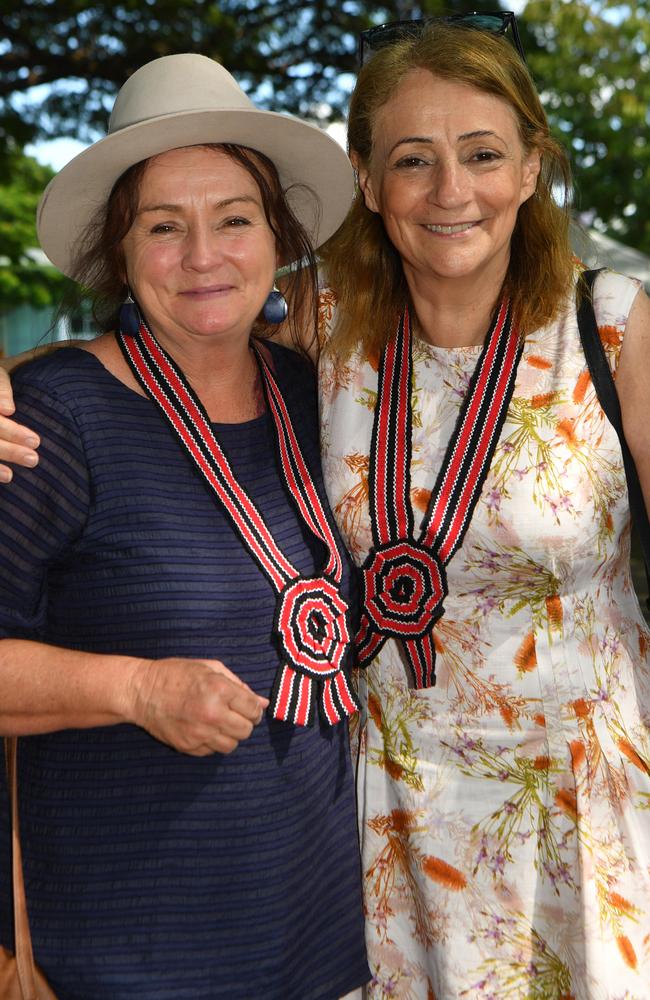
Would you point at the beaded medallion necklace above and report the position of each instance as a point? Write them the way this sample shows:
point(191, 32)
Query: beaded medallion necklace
point(404, 579)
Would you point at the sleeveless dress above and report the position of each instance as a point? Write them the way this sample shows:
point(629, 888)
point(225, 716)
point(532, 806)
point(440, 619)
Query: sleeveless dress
point(505, 813)
point(152, 874)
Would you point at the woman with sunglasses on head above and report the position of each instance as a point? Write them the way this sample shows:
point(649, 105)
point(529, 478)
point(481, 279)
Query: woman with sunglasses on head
point(504, 809)
point(504, 812)
point(175, 608)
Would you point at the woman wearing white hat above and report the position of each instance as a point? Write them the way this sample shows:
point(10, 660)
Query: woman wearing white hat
point(174, 602)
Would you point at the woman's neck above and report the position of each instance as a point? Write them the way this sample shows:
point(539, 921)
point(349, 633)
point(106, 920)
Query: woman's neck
point(454, 312)
point(231, 393)
point(225, 377)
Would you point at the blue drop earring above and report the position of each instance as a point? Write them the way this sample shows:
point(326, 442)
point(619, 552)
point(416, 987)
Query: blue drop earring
point(129, 316)
point(275, 308)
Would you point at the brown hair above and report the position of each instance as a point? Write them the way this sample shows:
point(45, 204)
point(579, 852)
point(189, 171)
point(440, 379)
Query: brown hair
point(363, 267)
point(100, 264)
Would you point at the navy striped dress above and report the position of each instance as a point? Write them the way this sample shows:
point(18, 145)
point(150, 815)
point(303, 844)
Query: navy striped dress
point(150, 873)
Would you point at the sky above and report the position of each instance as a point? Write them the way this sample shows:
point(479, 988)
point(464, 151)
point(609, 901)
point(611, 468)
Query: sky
point(56, 153)
point(60, 151)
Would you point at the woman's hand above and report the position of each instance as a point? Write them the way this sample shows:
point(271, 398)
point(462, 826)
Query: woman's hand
point(196, 706)
point(17, 443)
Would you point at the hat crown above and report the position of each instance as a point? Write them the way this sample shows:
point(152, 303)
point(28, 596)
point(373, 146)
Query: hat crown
point(173, 84)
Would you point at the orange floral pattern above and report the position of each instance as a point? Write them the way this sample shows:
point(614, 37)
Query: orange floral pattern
point(505, 813)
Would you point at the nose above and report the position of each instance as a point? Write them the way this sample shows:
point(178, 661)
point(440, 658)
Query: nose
point(450, 184)
point(201, 250)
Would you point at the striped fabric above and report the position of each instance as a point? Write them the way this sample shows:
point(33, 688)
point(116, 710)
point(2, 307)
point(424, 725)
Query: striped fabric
point(152, 874)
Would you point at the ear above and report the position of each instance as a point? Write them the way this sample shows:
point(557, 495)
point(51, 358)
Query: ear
point(365, 182)
point(531, 167)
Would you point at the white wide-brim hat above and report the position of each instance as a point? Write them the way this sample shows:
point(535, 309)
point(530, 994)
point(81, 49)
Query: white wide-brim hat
point(187, 100)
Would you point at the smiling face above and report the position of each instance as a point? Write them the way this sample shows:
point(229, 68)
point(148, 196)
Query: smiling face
point(200, 256)
point(448, 173)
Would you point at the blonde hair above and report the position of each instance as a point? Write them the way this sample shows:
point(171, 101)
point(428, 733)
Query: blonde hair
point(363, 267)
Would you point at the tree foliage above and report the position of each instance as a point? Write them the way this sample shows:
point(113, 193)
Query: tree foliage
point(289, 54)
point(591, 63)
point(24, 276)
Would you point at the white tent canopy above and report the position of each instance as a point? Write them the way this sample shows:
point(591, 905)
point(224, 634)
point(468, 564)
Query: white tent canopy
point(598, 250)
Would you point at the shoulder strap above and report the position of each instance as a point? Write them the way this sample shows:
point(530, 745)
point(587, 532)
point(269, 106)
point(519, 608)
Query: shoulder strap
point(605, 387)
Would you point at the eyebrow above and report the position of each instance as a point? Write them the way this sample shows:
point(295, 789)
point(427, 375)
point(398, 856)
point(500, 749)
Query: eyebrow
point(477, 134)
point(169, 207)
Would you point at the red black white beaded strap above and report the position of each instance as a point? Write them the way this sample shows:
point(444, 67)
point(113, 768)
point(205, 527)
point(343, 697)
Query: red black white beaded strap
point(404, 579)
point(311, 620)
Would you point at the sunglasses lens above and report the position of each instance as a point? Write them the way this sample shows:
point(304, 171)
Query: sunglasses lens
point(484, 22)
point(386, 34)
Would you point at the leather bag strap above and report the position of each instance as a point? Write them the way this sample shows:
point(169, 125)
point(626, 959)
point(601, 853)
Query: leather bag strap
point(22, 936)
point(605, 387)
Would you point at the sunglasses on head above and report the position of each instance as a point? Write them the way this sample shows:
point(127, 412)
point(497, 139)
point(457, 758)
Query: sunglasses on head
point(498, 23)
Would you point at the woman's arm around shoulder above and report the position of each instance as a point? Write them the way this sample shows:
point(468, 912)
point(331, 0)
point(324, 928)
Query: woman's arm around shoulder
point(18, 443)
point(633, 387)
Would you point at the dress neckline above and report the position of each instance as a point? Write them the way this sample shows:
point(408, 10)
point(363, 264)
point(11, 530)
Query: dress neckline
point(259, 421)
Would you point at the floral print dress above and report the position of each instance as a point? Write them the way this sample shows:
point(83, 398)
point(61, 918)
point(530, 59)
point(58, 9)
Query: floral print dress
point(505, 813)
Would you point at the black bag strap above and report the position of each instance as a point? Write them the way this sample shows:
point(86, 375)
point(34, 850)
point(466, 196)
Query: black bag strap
point(601, 376)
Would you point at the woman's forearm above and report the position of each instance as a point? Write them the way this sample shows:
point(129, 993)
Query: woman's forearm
point(196, 706)
point(45, 688)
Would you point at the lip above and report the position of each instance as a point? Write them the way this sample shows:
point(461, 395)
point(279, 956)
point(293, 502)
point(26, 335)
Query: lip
point(208, 290)
point(450, 228)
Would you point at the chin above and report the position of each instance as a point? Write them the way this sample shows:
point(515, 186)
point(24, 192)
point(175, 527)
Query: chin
point(458, 270)
point(206, 326)
point(461, 265)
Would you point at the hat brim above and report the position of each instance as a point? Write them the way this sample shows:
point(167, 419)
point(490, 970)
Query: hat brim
point(314, 171)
